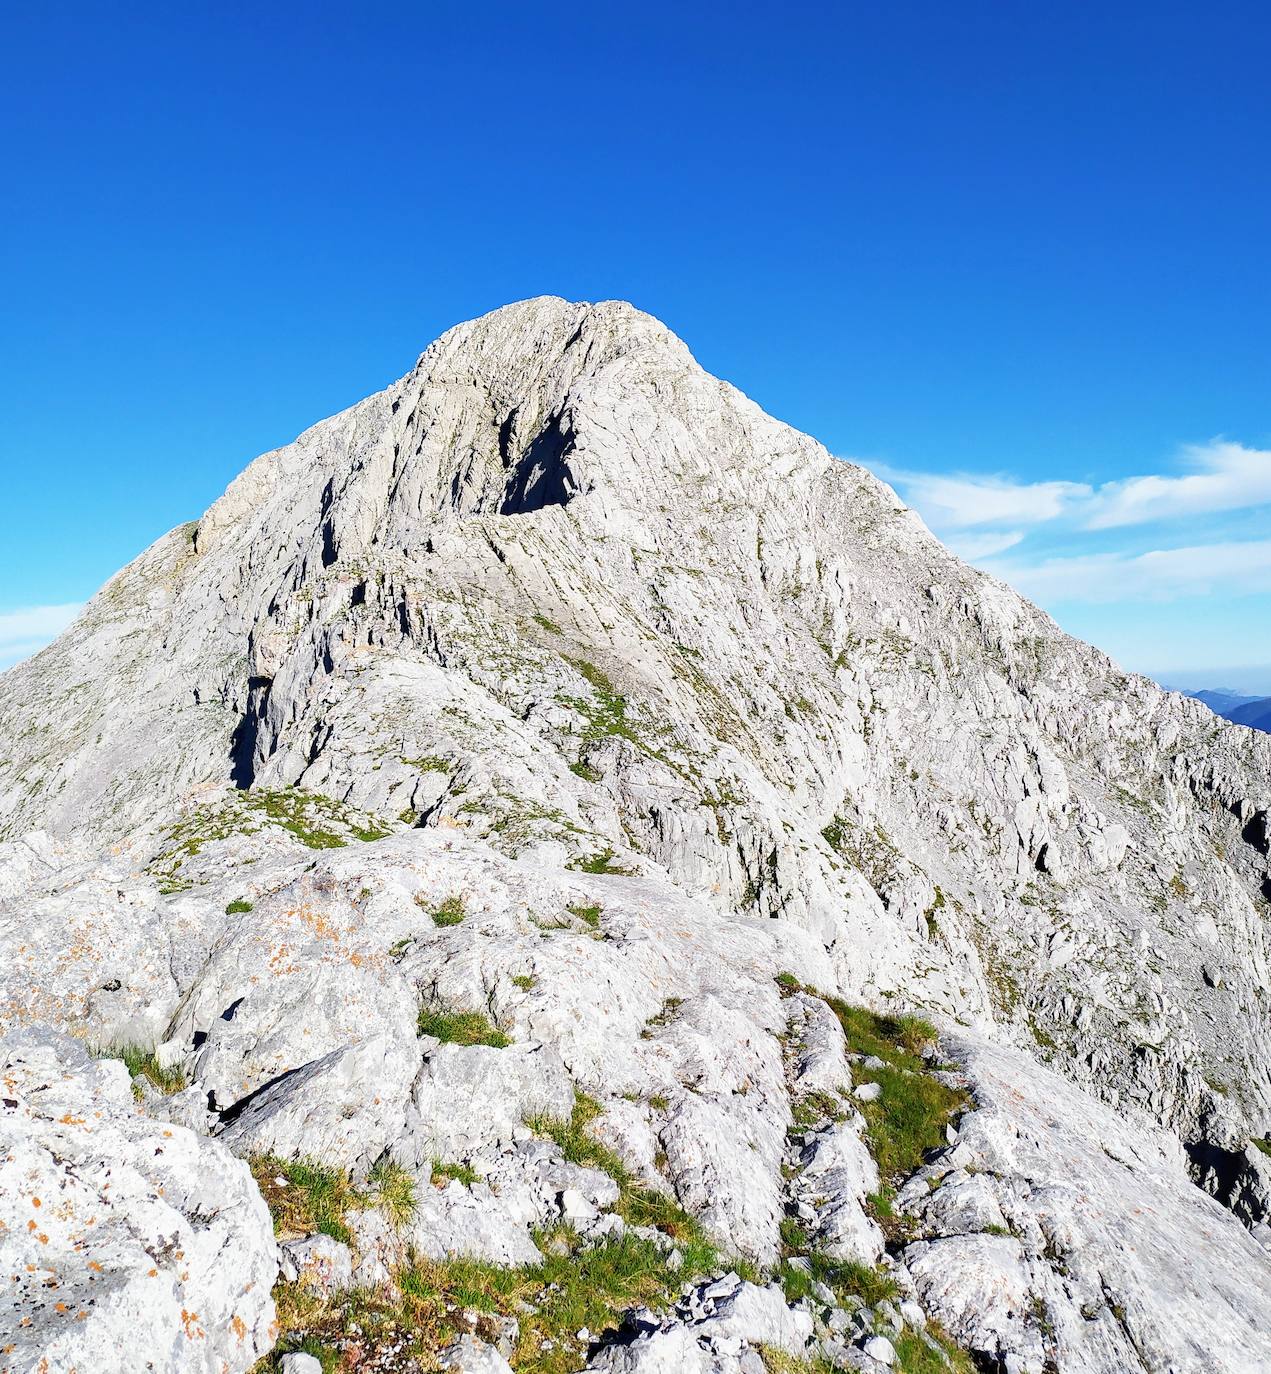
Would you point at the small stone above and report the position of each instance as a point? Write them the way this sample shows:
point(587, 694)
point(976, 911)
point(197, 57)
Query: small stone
point(297, 1362)
point(868, 1092)
point(881, 1349)
point(912, 1315)
point(468, 1355)
point(575, 1207)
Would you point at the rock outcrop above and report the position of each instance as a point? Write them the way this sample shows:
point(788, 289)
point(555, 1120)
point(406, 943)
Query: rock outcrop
point(483, 757)
point(125, 1244)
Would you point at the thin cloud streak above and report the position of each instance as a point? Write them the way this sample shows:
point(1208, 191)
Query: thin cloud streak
point(1225, 476)
point(26, 631)
point(1236, 568)
point(973, 546)
point(962, 502)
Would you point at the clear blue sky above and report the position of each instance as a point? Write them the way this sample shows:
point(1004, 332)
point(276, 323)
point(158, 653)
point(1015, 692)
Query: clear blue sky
point(1019, 243)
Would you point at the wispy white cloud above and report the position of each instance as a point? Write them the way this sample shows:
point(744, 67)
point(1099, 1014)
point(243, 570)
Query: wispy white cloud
point(960, 501)
point(974, 546)
point(1234, 568)
point(1226, 477)
point(1223, 476)
point(25, 631)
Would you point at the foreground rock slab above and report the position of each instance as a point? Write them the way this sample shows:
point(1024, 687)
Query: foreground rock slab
point(125, 1243)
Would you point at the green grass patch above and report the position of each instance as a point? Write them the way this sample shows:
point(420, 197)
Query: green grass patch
point(450, 912)
point(670, 1010)
point(589, 915)
point(584, 771)
point(915, 1356)
point(238, 907)
point(777, 1361)
point(310, 1197)
point(637, 1204)
point(908, 1120)
point(393, 1188)
point(846, 1278)
point(305, 1196)
point(601, 862)
point(575, 1286)
point(428, 763)
point(316, 821)
point(461, 1028)
point(524, 981)
point(141, 1063)
point(444, 1171)
point(899, 1040)
point(817, 1107)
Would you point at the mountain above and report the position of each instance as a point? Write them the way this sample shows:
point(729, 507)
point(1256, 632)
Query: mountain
point(553, 796)
point(1222, 700)
point(1255, 714)
point(1243, 710)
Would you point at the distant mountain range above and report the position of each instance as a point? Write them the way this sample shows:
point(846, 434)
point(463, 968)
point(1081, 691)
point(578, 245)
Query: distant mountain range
point(1252, 711)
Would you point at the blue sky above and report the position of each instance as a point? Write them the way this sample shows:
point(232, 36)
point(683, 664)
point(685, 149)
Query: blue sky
point(1020, 250)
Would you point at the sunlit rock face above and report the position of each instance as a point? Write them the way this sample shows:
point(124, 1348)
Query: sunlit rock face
point(560, 683)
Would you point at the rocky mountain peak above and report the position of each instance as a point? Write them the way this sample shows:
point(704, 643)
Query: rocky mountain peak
point(484, 424)
point(504, 738)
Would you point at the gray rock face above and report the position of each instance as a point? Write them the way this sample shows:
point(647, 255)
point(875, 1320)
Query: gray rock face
point(559, 688)
point(471, 1356)
point(1050, 1214)
point(323, 1263)
point(125, 1243)
point(511, 1084)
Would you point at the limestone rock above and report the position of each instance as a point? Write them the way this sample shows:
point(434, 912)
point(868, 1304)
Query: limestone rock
point(511, 1084)
point(319, 1261)
point(468, 1355)
point(558, 688)
point(717, 1328)
point(1058, 1246)
point(131, 1243)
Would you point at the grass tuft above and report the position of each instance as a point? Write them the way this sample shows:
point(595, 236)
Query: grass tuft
point(310, 1196)
point(393, 1190)
point(908, 1120)
point(461, 1028)
point(450, 912)
point(141, 1063)
point(846, 1278)
point(444, 1172)
point(601, 862)
point(638, 1204)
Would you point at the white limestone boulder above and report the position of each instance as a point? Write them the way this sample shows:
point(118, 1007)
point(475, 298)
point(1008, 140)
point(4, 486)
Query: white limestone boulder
point(129, 1243)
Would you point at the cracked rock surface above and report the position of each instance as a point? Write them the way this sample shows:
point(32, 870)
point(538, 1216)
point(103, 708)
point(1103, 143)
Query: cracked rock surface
point(125, 1243)
point(1059, 1234)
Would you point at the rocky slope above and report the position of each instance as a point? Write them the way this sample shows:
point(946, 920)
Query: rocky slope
point(560, 686)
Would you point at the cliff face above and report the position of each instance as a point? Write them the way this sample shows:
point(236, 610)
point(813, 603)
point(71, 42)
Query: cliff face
point(559, 608)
